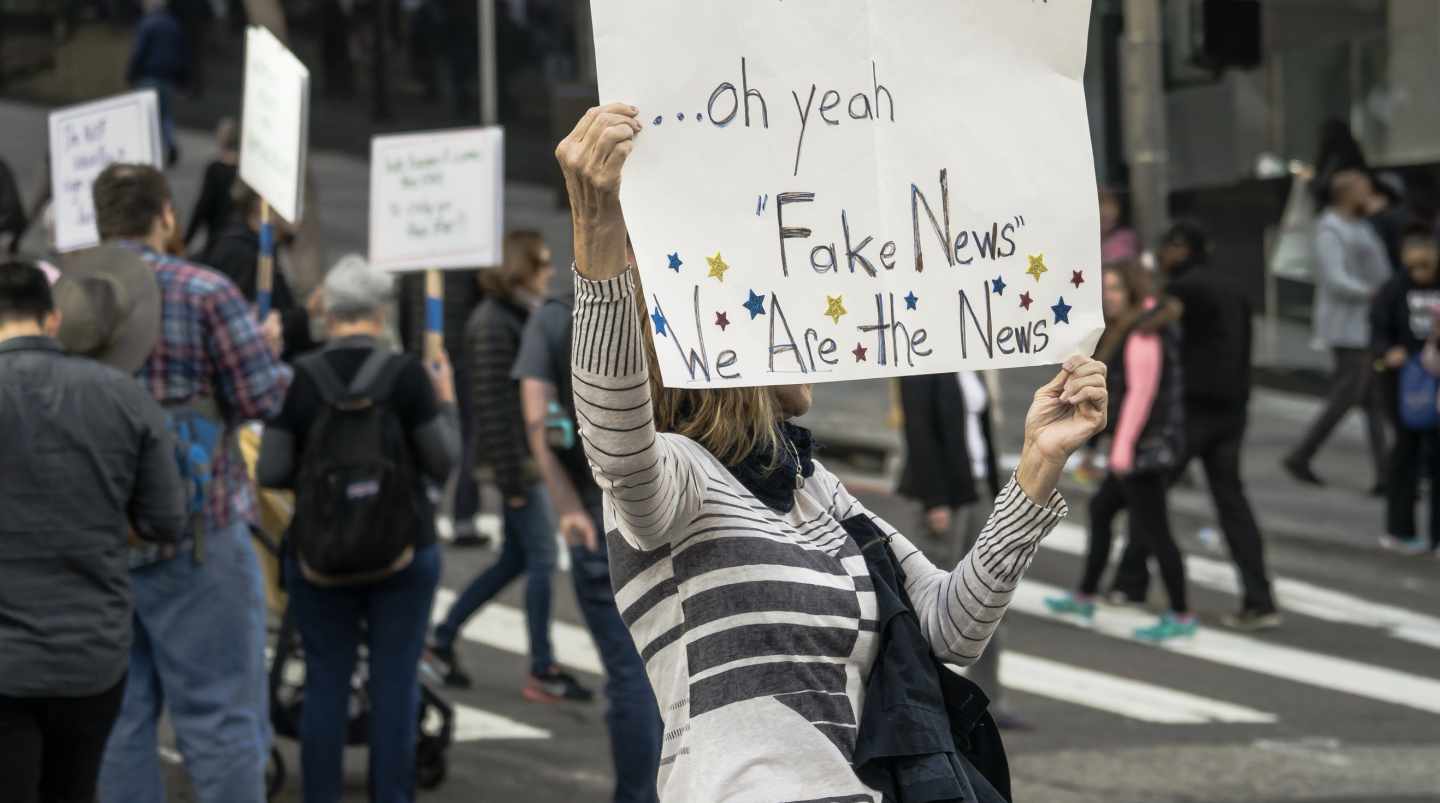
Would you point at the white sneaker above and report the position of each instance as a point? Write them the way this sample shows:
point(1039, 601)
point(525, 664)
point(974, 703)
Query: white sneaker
point(1405, 546)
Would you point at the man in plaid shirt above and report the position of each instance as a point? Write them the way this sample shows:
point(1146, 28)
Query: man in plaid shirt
point(199, 644)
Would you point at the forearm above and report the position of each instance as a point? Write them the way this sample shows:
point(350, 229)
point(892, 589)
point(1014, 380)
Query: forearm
point(600, 248)
point(437, 444)
point(276, 466)
point(157, 506)
point(1143, 364)
point(959, 610)
point(651, 482)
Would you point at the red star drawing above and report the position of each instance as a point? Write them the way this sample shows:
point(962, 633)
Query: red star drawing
point(722, 320)
point(1077, 278)
point(1026, 300)
point(859, 352)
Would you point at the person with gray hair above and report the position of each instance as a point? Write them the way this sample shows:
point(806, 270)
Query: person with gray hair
point(389, 609)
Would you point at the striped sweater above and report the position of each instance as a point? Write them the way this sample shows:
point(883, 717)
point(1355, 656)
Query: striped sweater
point(758, 628)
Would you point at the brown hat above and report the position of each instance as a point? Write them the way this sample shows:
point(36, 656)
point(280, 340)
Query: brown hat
point(109, 304)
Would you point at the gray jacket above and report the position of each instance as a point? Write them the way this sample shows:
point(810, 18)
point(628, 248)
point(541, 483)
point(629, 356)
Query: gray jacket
point(87, 455)
point(1350, 267)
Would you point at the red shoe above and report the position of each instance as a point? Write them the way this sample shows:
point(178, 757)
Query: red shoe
point(554, 687)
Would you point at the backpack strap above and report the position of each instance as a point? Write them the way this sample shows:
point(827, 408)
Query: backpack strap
point(366, 385)
point(332, 390)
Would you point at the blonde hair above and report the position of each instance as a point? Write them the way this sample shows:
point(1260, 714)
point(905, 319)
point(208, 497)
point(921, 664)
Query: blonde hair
point(731, 423)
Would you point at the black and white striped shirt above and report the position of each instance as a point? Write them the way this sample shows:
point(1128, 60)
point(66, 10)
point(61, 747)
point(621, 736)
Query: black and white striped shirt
point(758, 628)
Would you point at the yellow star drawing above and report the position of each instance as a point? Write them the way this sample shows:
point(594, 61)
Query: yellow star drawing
point(1037, 266)
point(717, 266)
point(835, 307)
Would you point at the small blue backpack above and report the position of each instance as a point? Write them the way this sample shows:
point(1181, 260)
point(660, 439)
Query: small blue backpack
point(1419, 395)
point(198, 430)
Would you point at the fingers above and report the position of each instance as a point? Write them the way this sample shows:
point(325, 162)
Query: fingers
point(1090, 395)
point(582, 128)
point(575, 151)
point(1078, 383)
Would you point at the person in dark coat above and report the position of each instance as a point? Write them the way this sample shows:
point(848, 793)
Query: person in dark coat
point(529, 548)
point(1215, 361)
point(236, 253)
point(160, 60)
point(216, 202)
point(949, 453)
point(1402, 318)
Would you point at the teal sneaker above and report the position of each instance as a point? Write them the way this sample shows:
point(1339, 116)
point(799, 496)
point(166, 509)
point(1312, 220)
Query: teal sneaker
point(1169, 627)
point(1072, 605)
point(1414, 545)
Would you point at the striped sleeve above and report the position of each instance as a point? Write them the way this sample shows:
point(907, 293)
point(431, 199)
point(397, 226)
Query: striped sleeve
point(959, 610)
point(653, 484)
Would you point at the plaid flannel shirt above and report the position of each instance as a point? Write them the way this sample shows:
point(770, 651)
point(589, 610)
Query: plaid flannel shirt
point(210, 347)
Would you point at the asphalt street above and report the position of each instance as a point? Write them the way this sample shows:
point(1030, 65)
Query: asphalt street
point(1341, 704)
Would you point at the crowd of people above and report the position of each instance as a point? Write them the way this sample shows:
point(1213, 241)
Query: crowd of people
point(1377, 298)
point(129, 375)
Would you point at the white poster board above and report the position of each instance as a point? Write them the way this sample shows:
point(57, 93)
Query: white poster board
point(832, 191)
point(436, 199)
point(275, 123)
point(84, 140)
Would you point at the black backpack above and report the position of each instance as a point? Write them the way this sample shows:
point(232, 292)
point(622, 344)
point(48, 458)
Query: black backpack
point(356, 513)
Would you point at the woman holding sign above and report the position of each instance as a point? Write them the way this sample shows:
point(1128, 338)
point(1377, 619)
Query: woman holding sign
point(767, 601)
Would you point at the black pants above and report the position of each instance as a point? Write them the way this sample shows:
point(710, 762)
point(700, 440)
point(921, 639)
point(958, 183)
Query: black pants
point(1216, 440)
point(1353, 384)
point(1412, 449)
point(50, 747)
point(1143, 495)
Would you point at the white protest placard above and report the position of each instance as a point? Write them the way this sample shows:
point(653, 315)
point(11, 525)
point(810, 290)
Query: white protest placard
point(857, 188)
point(436, 199)
point(275, 123)
point(84, 140)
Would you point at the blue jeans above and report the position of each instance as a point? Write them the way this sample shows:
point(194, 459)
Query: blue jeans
point(165, 94)
point(395, 613)
point(529, 549)
point(199, 651)
point(633, 718)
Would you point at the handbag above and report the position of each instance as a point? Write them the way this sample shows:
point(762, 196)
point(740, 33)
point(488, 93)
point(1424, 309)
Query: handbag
point(1418, 391)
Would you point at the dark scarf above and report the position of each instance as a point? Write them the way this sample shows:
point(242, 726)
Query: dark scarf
point(775, 482)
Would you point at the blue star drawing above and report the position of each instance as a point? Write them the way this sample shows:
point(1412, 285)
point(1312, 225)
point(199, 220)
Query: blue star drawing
point(998, 286)
point(911, 300)
point(659, 321)
point(1062, 311)
point(676, 262)
point(756, 305)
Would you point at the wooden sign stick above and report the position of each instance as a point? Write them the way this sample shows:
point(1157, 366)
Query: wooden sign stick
point(265, 269)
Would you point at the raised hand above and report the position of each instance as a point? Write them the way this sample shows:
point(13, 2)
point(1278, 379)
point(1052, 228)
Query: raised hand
point(1067, 412)
point(593, 158)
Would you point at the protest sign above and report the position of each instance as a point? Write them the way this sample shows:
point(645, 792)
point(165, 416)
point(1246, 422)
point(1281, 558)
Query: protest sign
point(84, 140)
point(435, 199)
point(857, 189)
point(275, 123)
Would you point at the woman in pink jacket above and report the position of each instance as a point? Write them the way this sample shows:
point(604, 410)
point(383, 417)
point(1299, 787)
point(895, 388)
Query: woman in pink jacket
point(1140, 347)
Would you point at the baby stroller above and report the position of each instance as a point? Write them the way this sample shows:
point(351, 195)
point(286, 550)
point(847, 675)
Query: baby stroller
point(287, 659)
point(287, 698)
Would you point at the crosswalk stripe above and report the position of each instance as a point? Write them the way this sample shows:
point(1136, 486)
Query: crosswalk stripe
point(1295, 596)
point(476, 724)
point(1125, 697)
point(503, 627)
point(1287, 663)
